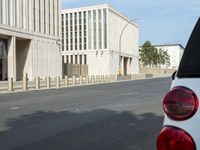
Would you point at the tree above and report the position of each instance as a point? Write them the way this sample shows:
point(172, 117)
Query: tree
point(151, 56)
point(163, 58)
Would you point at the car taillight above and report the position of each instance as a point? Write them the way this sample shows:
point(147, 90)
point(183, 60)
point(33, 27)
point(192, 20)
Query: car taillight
point(172, 138)
point(180, 103)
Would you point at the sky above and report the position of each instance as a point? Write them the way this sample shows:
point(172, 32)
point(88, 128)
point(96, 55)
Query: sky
point(160, 21)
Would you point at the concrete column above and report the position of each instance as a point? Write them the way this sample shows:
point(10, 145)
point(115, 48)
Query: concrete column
point(30, 15)
point(12, 58)
point(4, 11)
point(10, 84)
point(66, 80)
point(56, 19)
point(37, 83)
point(122, 65)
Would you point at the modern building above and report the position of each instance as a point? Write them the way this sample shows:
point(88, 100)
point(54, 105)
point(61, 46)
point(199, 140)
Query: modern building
point(91, 35)
point(175, 52)
point(29, 39)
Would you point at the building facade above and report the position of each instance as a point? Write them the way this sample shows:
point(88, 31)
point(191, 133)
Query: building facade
point(175, 52)
point(90, 35)
point(29, 39)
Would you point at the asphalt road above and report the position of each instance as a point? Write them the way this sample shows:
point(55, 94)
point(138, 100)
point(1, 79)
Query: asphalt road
point(114, 116)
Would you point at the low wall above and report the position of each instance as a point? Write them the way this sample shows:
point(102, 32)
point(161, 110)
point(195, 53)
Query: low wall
point(158, 71)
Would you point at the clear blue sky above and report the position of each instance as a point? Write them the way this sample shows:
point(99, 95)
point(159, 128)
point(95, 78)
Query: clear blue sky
point(160, 21)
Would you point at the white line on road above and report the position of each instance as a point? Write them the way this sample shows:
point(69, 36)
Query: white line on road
point(127, 94)
point(13, 108)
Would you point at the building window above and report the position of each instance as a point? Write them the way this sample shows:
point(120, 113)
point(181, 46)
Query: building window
point(76, 59)
point(39, 16)
point(50, 17)
point(63, 60)
point(85, 59)
point(67, 59)
point(71, 31)
point(89, 30)
point(105, 27)
point(100, 29)
point(34, 16)
point(94, 29)
point(71, 59)
point(80, 58)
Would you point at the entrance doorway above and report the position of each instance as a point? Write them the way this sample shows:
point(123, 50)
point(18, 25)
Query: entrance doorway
point(3, 60)
point(1, 70)
point(125, 65)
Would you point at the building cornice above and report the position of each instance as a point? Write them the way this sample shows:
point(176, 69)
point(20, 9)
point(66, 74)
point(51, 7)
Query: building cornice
point(23, 33)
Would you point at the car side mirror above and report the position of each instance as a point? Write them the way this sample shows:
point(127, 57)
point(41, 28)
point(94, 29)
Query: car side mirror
point(174, 75)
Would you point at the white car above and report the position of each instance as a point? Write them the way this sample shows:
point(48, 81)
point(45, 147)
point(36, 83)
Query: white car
point(181, 128)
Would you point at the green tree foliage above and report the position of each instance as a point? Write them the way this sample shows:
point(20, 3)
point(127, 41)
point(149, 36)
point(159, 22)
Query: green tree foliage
point(151, 56)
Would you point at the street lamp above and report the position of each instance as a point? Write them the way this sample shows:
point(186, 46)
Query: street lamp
point(120, 39)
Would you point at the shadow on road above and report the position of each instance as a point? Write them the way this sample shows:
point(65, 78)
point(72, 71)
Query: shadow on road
point(88, 130)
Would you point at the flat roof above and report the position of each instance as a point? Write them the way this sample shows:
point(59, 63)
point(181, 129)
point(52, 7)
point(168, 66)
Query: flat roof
point(98, 6)
point(163, 45)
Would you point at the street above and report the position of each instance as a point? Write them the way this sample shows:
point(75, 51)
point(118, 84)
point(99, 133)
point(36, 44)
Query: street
point(113, 116)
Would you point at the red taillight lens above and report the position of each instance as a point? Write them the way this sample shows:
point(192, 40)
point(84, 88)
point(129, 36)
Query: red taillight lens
point(180, 103)
point(172, 138)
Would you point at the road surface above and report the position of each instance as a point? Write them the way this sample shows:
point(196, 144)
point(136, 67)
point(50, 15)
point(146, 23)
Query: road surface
point(113, 116)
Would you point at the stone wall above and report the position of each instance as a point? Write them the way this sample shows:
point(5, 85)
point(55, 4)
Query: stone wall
point(149, 70)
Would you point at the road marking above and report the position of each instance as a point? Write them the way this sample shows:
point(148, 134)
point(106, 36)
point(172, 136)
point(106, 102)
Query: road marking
point(127, 94)
point(13, 108)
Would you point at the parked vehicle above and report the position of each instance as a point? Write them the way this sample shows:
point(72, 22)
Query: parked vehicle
point(181, 128)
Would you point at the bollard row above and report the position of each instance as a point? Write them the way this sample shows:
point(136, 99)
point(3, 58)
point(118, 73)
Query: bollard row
point(57, 82)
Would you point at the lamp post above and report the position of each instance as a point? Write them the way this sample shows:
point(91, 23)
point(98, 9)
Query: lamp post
point(120, 39)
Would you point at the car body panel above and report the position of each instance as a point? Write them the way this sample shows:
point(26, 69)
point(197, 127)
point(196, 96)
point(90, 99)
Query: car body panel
point(192, 125)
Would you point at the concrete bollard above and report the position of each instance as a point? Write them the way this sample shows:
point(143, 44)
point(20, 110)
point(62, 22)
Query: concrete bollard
point(103, 79)
point(73, 80)
point(24, 83)
point(111, 78)
point(86, 79)
point(37, 83)
point(81, 80)
point(66, 81)
point(106, 78)
point(97, 79)
point(115, 77)
point(100, 79)
point(132, 77)
point(10, 84)
point(48, 82)
point(92, 79)
point(57, 82)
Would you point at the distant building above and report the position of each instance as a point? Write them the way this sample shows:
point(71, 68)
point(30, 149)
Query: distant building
point(175, 52)
point(29, 39)
point(90, 35)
